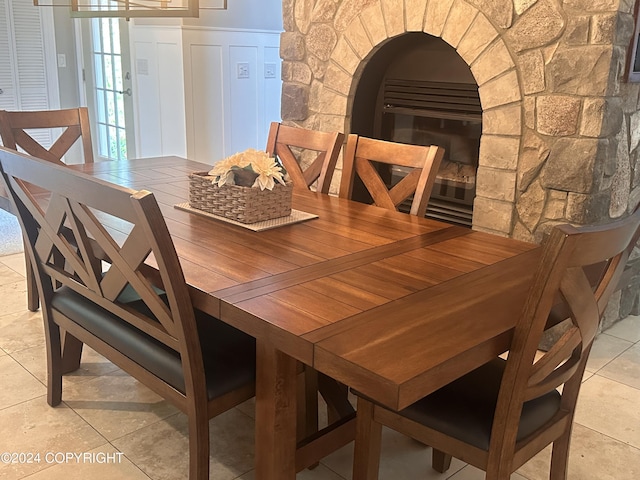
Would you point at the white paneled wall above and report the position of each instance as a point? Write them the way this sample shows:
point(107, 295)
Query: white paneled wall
point(159, 90)
point(204, 93)
point(233, 87)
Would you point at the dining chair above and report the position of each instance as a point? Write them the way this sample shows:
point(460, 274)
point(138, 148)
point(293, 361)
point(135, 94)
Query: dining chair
point(361, 157)
point(122, 292)
point(501, 414)
point(19, 130)
point(308, 156)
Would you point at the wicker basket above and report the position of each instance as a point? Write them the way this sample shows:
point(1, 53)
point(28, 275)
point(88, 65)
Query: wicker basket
point(243, 204)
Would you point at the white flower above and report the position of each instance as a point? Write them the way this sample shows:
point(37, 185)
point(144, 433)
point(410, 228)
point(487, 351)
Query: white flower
point(266, 167)
point(268, 172)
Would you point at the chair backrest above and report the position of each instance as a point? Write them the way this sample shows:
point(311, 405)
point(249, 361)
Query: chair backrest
point(361, 156)
point(74, 121)
point(307, 155)
point(563, 278)
point(99, 239)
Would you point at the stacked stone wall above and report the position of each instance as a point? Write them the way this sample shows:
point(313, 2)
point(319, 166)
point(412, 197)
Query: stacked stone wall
point(561, 127)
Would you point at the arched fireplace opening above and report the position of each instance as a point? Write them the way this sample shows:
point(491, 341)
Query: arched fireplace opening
point(416, 89)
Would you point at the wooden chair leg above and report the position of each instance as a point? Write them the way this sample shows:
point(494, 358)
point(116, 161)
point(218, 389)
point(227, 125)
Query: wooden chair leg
point(33, 301)
point(560, 457)
point(54, 364)
point(198, 446)
point(71, 349)
point(440, 461)
point(366, 456)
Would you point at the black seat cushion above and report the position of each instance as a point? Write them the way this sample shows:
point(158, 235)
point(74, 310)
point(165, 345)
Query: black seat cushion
point(465, 408)
point(228, 354)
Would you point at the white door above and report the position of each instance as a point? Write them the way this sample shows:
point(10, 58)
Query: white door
point(109, 87)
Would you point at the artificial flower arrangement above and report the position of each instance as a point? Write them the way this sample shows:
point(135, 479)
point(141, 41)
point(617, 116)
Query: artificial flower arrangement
point(251, 168)
point(247, 187)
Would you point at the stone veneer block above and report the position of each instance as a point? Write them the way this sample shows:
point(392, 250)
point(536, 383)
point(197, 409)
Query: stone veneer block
point(601, 117)
point(532, 62)
point(577, 31)
point(296, 72)
point(571, 165)
point(499, 11)
point(499, 152)
point(436, 15)
point(357, 37)
point(295, 102)
point(634, 121)
point(324, 11)
point(345, 56)
point(317, 67)
point(393, 12)
point(531, 161)
point(460, 18)
point(496, 184)
point(348, 10)
point(520, 232)
point(493, 215)
point(373, 21)
point(492, 62)
point(530, 206)
point(620, 192)
point(330, 123)
point(603, 28)
point(538, 26)
point(530, 112)
point(500, 91)
point(291, 46)
point(521, 6)
point(303, 12)
point(288, 17)
point(556, 205)
point(321, 40)
point(479, 35)
point(337, 79)
point(593, 62)
point(587, 209)
point(414, 14)
point(328, 102)
point(557, 115)
point(505, 120)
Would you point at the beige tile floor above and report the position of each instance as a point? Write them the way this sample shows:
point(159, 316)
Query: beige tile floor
point(108, 415)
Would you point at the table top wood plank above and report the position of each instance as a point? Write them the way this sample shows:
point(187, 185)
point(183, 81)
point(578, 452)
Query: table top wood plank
point(308, 301)
point(349, 217)
point(441, 329)
point(481, 247)
point(345, 293)
point(335, 266)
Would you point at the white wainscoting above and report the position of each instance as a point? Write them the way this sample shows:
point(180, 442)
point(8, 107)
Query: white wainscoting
point(159, 97)
point(232, 90)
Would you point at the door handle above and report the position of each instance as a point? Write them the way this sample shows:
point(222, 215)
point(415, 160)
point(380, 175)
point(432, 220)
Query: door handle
point(1, 91)
point(124, 92)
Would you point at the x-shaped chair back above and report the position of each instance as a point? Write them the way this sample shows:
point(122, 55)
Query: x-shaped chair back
point(307, 155)
point(15, 129)
point(361, 156)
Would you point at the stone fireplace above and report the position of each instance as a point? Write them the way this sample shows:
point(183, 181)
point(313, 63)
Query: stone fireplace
point(560, 124)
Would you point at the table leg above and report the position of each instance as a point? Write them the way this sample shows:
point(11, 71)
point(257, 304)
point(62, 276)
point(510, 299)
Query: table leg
point(275, 414)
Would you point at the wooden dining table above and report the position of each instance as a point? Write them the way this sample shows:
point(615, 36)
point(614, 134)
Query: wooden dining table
point(390, 304)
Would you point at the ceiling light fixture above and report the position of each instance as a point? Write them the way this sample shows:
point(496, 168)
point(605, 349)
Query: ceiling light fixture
point(134, 8)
